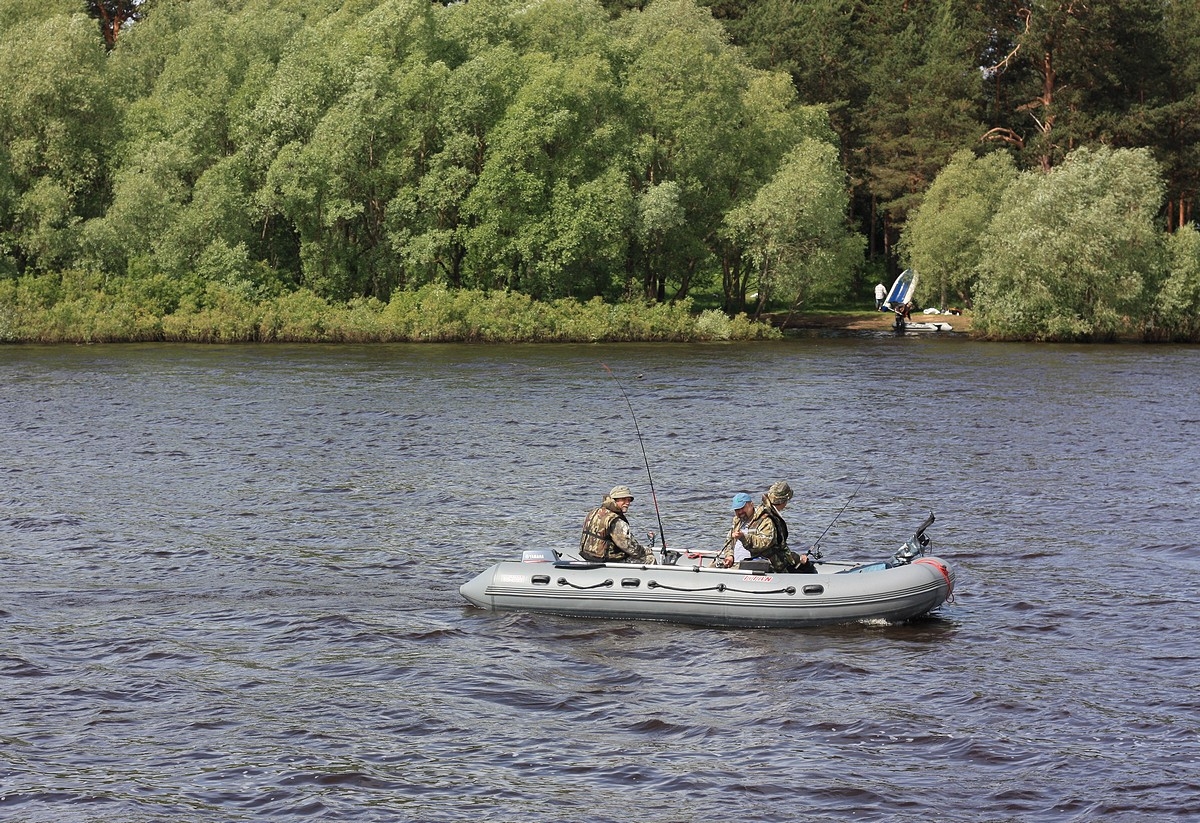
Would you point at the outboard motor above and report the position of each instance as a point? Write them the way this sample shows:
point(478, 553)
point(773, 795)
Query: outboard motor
point(916, 547)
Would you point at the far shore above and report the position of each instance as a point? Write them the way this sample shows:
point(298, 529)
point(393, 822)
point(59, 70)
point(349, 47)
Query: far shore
point(861, 321)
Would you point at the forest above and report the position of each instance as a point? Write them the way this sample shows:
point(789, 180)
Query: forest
point(582, 170)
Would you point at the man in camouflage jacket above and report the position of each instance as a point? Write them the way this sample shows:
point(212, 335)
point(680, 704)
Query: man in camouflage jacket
point(606, 532)
point(766, 534)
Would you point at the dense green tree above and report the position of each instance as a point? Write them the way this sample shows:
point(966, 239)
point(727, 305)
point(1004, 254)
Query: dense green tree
point(683, 88)
point(189, 161)
point(795, 228)
point(942, 238)
point(1176, 311)
point(475, 97)
point(1074, 253)
point(58, 122)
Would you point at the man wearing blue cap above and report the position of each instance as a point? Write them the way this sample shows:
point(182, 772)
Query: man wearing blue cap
point(734, 550)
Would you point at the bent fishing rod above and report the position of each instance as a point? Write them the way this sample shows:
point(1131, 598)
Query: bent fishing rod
point(816, 546)
point(645, 459)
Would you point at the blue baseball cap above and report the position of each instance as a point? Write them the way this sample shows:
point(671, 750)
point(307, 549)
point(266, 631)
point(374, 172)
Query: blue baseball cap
point(740, 499)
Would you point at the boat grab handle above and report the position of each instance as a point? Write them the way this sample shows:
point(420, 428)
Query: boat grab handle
point(562, 581)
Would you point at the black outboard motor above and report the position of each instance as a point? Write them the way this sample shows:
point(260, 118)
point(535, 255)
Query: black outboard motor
point(907, 553)
point(916, 547)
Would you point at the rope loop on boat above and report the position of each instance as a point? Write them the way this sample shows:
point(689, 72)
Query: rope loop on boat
point(720, 587)
point(562, 581)
point(941, 567)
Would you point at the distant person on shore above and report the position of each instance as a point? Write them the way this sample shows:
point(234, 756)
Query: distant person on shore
point(606, 533)
point(880, 294)
point(735, 550)
point(766, 534)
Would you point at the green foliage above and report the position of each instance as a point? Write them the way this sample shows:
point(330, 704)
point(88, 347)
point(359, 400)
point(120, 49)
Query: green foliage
point(265, 156)
point(1073, 254)
point(942, 239)
point(1176, 312)
point(85, 307)
point(795, 230)
point(57, 126)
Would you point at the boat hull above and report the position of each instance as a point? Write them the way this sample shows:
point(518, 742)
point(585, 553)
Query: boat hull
point(714, 597)
point(935, 326)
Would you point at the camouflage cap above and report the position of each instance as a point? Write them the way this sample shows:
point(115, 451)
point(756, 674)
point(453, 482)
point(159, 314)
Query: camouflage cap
point(779, 492)
point(619, 492)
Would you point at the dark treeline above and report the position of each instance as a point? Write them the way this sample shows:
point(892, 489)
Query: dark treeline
point(908, 84)
point(180, 156)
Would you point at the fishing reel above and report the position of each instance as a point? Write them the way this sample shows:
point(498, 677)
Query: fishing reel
point(920, 543)
point(669, 557)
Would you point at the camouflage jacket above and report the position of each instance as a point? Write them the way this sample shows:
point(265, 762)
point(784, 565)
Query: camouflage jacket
point(766, 536)
point(607, 536)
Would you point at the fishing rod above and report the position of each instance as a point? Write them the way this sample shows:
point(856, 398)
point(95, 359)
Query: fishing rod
point(645, 459)
point(816, 546)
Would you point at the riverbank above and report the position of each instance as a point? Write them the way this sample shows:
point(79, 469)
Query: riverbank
point(860, 321)
point(76, 308)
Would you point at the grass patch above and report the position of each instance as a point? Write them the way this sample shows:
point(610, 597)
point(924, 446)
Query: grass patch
point(77, 308)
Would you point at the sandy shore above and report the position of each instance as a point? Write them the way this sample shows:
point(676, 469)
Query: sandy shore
point(864, 321)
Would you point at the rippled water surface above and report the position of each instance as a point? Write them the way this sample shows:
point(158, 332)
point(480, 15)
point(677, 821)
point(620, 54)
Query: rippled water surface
point(230, 583)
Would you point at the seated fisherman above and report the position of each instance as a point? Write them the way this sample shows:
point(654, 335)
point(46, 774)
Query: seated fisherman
point(766, 534)
point(606, 532)
point(735, 551)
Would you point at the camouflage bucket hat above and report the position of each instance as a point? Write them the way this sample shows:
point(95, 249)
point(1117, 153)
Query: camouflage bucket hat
point(620, 491)
point(779, 492)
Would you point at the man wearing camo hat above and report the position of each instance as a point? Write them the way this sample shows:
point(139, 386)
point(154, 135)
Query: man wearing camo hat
point(766, 534)
point(606, 532)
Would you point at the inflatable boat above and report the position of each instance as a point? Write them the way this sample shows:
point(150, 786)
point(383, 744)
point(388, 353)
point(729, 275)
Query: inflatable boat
point(686, 588)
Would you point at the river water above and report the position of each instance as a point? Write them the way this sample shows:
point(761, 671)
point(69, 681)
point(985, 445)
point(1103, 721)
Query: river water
point(230, 583)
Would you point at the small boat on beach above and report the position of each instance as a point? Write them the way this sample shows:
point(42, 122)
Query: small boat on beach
point(903, 325)
point(900, 300)
point(685, 588)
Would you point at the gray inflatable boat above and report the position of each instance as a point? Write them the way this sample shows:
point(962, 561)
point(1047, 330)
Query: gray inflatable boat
point(685, 589)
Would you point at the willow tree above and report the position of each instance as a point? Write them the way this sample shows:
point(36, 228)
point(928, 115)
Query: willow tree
point(183, 200)
point(59, 118)
point(1074, 253)
point(942, 238)
point(1176, 310)
point(795, 228)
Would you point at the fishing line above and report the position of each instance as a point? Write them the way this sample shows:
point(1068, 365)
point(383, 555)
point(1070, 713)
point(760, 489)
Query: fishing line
point(816, 546)
point(645, 459)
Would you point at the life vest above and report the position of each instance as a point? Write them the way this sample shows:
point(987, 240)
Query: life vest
point(597, 541)
point(781, 559)
point(781, 530)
